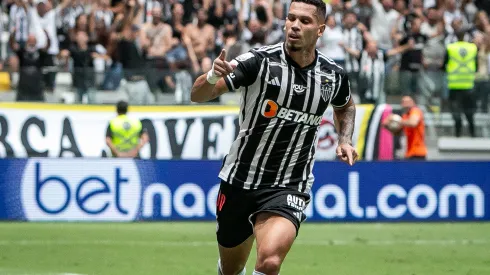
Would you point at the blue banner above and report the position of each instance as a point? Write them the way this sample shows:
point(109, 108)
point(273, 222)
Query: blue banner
point(45, 189)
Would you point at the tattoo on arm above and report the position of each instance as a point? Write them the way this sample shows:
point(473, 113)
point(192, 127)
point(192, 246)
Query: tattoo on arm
point(344, 122)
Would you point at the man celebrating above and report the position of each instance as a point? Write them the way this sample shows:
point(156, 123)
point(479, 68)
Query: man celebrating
point(267, 175)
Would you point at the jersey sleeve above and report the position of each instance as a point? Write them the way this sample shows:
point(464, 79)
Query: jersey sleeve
point(246, 71)
point(343, 94)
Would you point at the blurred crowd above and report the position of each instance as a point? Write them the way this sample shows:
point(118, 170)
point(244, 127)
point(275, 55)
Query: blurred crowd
point(386, 46)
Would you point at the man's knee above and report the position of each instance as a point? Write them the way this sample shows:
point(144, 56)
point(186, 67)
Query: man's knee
point(268, 263)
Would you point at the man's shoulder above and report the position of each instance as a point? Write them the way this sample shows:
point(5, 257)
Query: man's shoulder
point(261, 53)
point(268, 51)
point(327, 64)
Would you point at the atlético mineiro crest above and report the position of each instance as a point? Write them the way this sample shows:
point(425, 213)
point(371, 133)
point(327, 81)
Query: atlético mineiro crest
point(326, 89)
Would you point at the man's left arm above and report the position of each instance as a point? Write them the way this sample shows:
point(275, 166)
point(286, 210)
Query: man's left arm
point(344, 118)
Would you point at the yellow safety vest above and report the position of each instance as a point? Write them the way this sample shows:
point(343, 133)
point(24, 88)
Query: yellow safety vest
point(125, 132)
point(461, 65)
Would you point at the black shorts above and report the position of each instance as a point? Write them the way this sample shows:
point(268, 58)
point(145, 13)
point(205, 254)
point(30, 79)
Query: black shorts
point(237, 208)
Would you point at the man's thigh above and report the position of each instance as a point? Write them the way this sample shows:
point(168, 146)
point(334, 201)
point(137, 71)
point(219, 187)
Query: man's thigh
point(276, 224)
point(233, 230)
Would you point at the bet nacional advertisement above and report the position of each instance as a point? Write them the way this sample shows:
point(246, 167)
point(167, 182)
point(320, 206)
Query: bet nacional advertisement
point(123, 190)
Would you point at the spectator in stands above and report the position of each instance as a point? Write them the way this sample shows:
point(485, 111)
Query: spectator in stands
point(354, 40)
point(336, 9)
point(202, 36)
point(157, 34)
point(276, 33)
point(132, 52)
point(382, 22)
point(433, 53)
point(181, 56)
point(412, 60)
point(46, 16)
point(364, 11)
point(461, 66)
point(481, 23)
point(482, 78)
point(125, 136)
point(103, 13)
point(83, 74)
point(451, 13)
point(372, 73)
point(18, 24)
point(332, 38)
point(31, 60)
point(413, 126)
point(469, 10)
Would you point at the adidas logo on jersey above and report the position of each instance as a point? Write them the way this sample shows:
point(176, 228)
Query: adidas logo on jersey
point(271, 109)
point(274, 82)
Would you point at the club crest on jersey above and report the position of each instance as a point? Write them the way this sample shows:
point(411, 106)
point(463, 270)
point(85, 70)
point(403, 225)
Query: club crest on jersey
point(270, 109)
point(299, 89)
point(326, 90)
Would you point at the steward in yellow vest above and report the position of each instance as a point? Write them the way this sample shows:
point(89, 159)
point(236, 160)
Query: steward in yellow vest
point(125, 136)
point(461, 66)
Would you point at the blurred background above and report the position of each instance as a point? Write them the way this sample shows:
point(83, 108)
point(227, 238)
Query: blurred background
point(64, 65)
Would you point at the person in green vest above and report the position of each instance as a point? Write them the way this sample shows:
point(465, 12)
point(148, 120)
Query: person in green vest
point(125, 136)
point(461, 65)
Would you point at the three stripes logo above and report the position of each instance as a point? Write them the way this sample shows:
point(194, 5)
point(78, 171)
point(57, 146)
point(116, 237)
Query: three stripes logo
point(274, 82)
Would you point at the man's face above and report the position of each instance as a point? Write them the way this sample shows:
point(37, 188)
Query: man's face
point(407, 103)
point(82, 37)
point(350, 20)
point(400, 6)
point(388, 4)
point(178, 10)
point(202, 16)
point(302, 26)
point(416, 25)
point(457, 24)
point(156, 13)
point(31, 42)
point(432, 15)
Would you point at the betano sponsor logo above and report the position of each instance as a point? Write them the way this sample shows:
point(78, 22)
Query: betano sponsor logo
point(271, 109)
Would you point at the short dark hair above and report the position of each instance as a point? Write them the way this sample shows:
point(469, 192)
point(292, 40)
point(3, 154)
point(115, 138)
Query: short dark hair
point(460, 34)
point(350, 12)
point(321, 7)
point(122, 107)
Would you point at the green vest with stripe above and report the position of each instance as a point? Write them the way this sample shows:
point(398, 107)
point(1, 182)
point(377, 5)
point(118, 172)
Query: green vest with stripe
point(461, 65)
point(125, 132)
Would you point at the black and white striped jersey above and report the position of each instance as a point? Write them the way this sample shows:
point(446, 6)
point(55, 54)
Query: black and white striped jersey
point(282, 106)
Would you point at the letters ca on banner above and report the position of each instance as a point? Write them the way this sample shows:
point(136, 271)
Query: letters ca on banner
point(58, 132)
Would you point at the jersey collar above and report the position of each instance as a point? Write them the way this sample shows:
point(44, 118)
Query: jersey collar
point(292, 62)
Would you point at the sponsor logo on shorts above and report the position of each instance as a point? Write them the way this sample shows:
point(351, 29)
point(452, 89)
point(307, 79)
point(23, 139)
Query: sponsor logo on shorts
point(271, 109)
point(296, 202)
